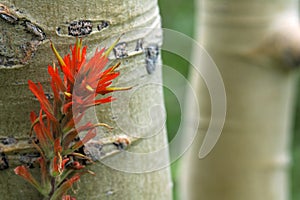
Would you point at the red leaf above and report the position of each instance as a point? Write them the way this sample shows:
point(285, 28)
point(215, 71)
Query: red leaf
point(62, 190)
point(39, 132)
point(24, 173)
point(38, 91)
point(90, 135)
point(56, 78)
point(68, 197)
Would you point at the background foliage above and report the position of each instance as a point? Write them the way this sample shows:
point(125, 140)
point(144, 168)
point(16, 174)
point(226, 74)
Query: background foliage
point(179, 15)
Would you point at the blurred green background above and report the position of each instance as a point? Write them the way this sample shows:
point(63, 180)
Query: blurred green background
point(179, 15)
point(295, 173)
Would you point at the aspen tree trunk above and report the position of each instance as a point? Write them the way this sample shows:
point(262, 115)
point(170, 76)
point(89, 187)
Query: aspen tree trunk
point(25, 51)
point(255, 45)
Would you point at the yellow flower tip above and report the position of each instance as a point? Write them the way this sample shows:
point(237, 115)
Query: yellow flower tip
point(112, 89)
point(68, 94)
point(113, 68)
point(54, 67)
point(60, 169)
point(107, 52)
point(88, 87)
point(105, 125)
point(58, 57)
point(91, 172)
point(78, 42)
point(78, 46)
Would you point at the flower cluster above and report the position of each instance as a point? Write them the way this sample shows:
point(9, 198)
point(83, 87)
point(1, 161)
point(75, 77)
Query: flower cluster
point(56, 138)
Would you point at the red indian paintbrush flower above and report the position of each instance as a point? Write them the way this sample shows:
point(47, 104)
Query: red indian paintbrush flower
point(57, 138)
point(89, 77)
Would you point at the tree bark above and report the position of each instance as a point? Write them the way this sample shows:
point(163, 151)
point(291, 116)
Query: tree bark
point(255, 45)
point(31, 24)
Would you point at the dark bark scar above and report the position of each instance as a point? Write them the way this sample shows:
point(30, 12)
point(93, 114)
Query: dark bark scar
point(19, 38)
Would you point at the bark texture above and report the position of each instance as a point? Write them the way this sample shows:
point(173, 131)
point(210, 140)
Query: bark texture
point(109, 19)
point(255, 45)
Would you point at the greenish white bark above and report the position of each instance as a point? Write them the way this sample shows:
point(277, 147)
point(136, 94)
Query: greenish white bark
point(255, 45)
point(16, 101)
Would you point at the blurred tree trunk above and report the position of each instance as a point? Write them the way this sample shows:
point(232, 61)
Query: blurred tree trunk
point(25, 53)
point(255, 45)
